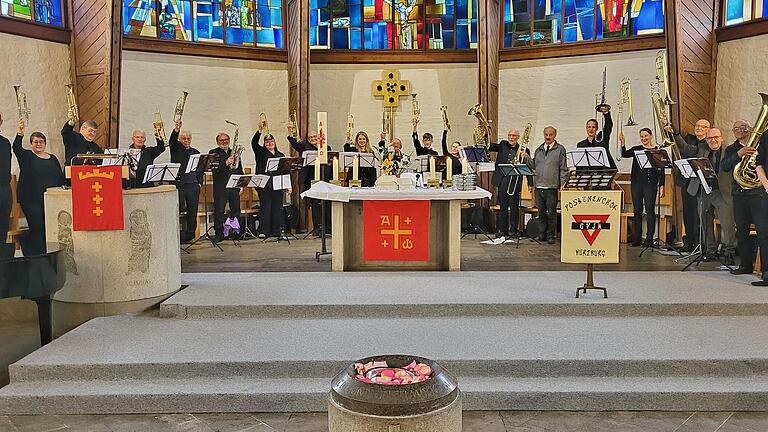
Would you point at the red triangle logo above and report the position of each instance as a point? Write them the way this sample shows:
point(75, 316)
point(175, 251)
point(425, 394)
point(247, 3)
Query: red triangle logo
point(591, 236)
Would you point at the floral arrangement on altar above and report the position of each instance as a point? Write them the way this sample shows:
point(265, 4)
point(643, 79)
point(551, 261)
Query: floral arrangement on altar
point(392, 163)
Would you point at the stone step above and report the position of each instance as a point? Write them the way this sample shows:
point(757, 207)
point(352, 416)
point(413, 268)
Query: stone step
point(238, 394)
point(479, 294)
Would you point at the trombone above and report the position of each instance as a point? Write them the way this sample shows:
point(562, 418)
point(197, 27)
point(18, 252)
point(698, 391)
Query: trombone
point(662, 76)
point(179, 111)
point(21, 102)
point(625, 97)
point(263, 121)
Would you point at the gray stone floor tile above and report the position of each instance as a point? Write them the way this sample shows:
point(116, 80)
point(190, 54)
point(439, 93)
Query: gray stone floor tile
point(307, 422)
point(748, 421)
point(276, 421)
point(705, 421)
point(135, 423)
point(485, 421)
point(6, 425)
point(185, 423)
point(517, 418)
point(235, 422)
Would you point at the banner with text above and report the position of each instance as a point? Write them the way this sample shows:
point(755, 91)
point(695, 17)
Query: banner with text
point(590, 228)
point(396, 230)
point(97, 198)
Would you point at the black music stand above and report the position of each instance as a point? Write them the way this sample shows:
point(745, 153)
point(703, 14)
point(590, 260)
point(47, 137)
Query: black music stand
point(161, 172)
point(241, 181)
point(200, 164)
point(701, 169)
point(518, 171)
point(657, 159)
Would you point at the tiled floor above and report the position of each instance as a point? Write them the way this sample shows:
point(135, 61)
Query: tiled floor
point(474, 421)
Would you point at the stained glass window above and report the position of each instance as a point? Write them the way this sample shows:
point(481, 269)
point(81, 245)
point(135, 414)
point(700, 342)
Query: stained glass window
point(269, 23)
point(319, 24)
point(139, 18)
point(466, 24)
point(175, 20)
point(409, 26)
point(439, 21)
point(347, 25)
point(377, 24)
point(538, 22)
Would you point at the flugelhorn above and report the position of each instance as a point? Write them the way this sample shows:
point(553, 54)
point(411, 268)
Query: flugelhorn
point(350, 126)
point(72, 104)
point(158, 126)
point(265, 124)
point(237, 149)
point(662, 76)
point(415, 111)
point(21, 102)
point(178, 113)
point(482, 133)
point(444, 110)
point(745, 172)
point(293, 117)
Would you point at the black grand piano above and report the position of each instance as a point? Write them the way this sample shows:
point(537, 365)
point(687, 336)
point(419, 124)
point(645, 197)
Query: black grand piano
point(36, 278)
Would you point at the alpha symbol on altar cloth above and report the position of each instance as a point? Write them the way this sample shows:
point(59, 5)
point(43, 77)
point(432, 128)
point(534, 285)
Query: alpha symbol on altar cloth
point(387, 228)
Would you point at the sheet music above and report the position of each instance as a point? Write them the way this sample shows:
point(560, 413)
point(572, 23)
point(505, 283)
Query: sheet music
point(686, 170)
point(272, 164)
point(161, 172)
point(238, 181)
point(281, 182)
point(642, 159)
point(115, 161)
point(192, 163)
point(592, 157)
point(704, 183)
point(309, 157)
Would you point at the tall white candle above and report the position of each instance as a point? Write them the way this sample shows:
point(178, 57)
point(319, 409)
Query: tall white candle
point(355, 168)
point(464, 166)
point(449, 168)
point(432, 168)
point(317, 168)
point(335, 169)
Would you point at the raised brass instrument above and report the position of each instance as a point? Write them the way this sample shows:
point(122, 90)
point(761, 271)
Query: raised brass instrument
point(662, 76)
point(625, 98)
point(350, 126)
point(415, 111)
point(158, 126)
point(386, 123)
point(520, 155)
point(482, 133)
point(601, 106)
point(265, 124)
point(660, 114)
point(745, 172)
point(444, 110)
point(237, 149)
point(72, 104)
point(178, 113)
point(21, 102)
point(295, 122)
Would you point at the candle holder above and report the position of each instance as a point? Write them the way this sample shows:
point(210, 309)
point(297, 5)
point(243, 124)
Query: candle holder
point(336, 182)
point(447, 184)
point(433, 183)
point(355, 183)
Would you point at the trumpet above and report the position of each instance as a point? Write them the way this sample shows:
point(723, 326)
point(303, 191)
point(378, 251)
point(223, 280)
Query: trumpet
point(444, 110)
point(415, 111)
point(237, 149)
point(21, 102)
point(662, 76)
point(72, 104)
point(350, 126)
point(263, 121)
point(625, 97)
point(179, 111)
point(158, 126)
point(295, 122)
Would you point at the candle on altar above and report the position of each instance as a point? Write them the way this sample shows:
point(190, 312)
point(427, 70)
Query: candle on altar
point(449, 168)
point(432, 168)
point(317, 168)
point(355, 168)
point(335, 169)
point(464, 166)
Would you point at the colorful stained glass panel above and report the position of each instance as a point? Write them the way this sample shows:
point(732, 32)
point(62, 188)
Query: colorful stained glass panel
point(347, 24)
point(139, 18)
point(176, 19)
point(440, 25)
point(319, 24)
point(377, 24)
point(615, 18)
point(579, 20)
point(239, 18)
point(208, 21)
point(647, 17)
point(466, 24)
point(409, 27)
point(269, 23)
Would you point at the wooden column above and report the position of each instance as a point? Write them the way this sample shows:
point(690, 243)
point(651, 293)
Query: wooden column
point(692, 58)
point(96, 53)
point(297, 19)
point(488, 44)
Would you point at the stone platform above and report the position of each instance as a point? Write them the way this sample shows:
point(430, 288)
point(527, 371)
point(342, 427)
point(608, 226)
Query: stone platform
point(516, 341)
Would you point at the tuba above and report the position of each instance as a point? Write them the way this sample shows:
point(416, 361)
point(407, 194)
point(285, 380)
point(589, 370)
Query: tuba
point(482, 133)
point(237, 149)
point(415, 111)
point(72, 104)
point(178, 113)
point(662, 76)
point(157, 123)
point(263, 121)
point(660, 114)
point(444, 110)
point(293, 117)
point(21, 102)
point(745, 172)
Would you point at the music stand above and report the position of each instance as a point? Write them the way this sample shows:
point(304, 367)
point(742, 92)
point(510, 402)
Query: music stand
point(657, 159)
point(697, 168)
point(242, 181)
point(518, 171)
point(200, 164)
point(161, 172)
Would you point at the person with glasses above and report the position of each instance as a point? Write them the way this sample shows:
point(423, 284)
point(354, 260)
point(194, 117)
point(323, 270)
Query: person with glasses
point(718, 201)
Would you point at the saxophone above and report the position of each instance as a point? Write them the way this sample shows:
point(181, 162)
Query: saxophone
point(237, 149)
point(745, 172)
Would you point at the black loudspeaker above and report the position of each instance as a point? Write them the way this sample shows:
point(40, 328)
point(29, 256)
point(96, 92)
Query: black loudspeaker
point(535, 228)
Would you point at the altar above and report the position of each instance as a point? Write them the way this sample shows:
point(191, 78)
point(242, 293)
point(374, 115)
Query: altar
point(395, 230)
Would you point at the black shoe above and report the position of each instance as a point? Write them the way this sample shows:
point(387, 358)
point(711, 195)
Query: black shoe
point(760, 283)
point(741, 270)
point(551, 240)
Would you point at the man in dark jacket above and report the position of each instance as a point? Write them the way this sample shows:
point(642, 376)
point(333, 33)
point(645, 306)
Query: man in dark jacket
point(147, 157)
point(508, 187)
point(5, 186)
point(602, 139)
point(307, 175)
point(691, 145)
point(189, 183)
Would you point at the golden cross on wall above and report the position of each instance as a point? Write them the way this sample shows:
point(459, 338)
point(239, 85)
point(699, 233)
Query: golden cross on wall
point(391, 88)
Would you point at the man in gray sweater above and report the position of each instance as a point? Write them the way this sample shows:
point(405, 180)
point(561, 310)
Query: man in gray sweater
point(550, 165)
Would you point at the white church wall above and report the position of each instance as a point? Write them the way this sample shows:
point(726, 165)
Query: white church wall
point(219, 90)
point(42, 69)
point(339, 89)
point(561, 92)
point(741, 74)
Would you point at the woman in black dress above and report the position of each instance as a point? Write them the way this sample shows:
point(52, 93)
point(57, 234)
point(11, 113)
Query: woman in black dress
point(362, 144)
point(452, 153)
point(38, 171)
point(646, 183)
point(271, 219)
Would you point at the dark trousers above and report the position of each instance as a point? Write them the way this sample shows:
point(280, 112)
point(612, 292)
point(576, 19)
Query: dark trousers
point(317, 215)
point(546, 201)
point(189, 198)
point(690, 217)
point(270, 212)
point(509, 203)
point(34, 212)
point(220, 199)
point(644, 196)
point(5, 212)
point(747, 210)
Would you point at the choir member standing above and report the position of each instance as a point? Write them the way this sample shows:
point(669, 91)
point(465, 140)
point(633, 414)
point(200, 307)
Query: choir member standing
point(367, 175)
point(189, 183)
point(426, 148)
point(719, 200)
point(691, 145)
point(646, 184)
point(452, 153)
point(307, 174)
point(271, 219)
point(508, 187)
point(146, 157)
point(5, 186)
point(551, 167)
point(595, 139)
point(228, 164)
point(79, 142)
point(38, 171)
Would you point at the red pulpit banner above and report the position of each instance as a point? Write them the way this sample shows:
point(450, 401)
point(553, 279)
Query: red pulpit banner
point(97, 198)
point(396, 230)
